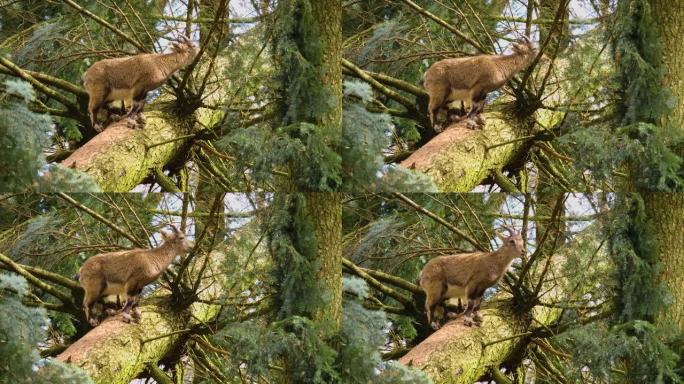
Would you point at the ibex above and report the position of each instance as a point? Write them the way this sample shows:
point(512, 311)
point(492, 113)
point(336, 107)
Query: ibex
point(131, 78)
point(127, 272)
point(467, 275)
point(470, 79)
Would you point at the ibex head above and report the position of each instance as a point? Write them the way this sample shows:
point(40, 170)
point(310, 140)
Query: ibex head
point(513, 243)
point(184, 46)
point(524, 47)
point(176, 239)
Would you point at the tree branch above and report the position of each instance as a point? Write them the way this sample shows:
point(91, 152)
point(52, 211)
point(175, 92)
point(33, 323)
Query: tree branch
point(106, 24)
point(444, 24)
point(100, 218)
point(406, 301)
point(440, 220)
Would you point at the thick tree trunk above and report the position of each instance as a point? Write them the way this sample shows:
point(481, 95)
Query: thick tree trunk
point(666, 218)
point(326, 210)
point(117, 352)
point(666, 210)
point(120, 158)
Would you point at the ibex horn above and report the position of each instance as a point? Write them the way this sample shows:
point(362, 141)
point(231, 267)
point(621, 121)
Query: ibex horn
point(174, 228)
point(510, 229)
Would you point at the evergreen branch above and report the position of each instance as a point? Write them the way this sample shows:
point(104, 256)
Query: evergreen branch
point(360, 73)
point(40, 86)
point(50, 80)
point(106, 24)
point(444, 24)
point(99, 218)
point(34, 280)
point(440, 220)
point(408, 302)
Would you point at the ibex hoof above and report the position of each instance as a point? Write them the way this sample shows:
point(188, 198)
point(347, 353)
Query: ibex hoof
point(468, 321)
point(115, 117)
point(111, 311)
point(141, 119)
point(136, 314)
point(97, 128)
point(480, 120)
point(93, 322)
point(127, 318)
point(471, 124)
point(131, 123)
point(478, 318)
point(452, 315)
point(435, 325)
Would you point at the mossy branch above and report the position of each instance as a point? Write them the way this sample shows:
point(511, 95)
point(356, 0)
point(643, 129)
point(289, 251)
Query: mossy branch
point(34, 280)
point(47, 275)
point(394, 280)
point(37, 84)
point(50, 80)
point(391, 81)
point(393, 293)
point(401, 99)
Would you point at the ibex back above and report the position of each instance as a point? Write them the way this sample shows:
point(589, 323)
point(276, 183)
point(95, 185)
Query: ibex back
point(127, 272)
point(467, 275)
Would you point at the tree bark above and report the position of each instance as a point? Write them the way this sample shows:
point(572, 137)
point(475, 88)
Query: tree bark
point(666, 220)
point(666, 210)
point(326, 210)
point(120, 158)
point(459, 158)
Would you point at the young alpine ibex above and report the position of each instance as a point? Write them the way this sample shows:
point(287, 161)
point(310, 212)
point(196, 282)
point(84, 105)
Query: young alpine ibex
point(127, 272)
point(131, 78)
point(467, 275)
point(470, 79)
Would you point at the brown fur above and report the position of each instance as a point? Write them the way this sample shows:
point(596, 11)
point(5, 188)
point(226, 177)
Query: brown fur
point(127, 272)
point(467, 275)
point(470, 79)
point(131, 78)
